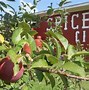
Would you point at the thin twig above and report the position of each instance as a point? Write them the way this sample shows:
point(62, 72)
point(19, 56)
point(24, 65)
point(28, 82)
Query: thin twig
point(59, 72)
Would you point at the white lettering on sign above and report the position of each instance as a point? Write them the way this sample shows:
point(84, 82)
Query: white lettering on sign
point(85, 20)
point(76, 36)
point(84, 36)
point(65, 27)
point(73, 25)
point(73, 21)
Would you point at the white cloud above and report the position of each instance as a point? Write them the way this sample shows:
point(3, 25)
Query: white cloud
point(27, 7)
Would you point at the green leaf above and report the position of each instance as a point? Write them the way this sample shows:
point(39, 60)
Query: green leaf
point(26, 27)
point(47, 46)
point(86, 65)
point(39, 63)
point(81, 53)
point(52, 59)
point(2, 48)
point(62, 40)
point(20, 45)
point(3, 4)
point(65, 81)
point(33, 32)
point(84, 85)
point(35, 2)
point(50, 11)
point(31, 41)
point(26, 77)
point(74, 68)
point(44, 52)
point(39, 75)
point(58, 48)
point(16, 37)
point(18, 48)
point(51, 78)
point(11, 53)
point(22, 42)
point(37, 57)
point(25, 87)
point(32, 7)
point(62, 2)
point(71, 51)
point(16, 69)
point(60, 37)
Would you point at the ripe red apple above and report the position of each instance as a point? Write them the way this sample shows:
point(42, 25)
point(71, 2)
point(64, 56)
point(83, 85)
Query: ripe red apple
point(7, 72)
point(27, 48)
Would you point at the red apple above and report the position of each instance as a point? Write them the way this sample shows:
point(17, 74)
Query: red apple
point(38, 41)
point(27, 49)
point(7, 72)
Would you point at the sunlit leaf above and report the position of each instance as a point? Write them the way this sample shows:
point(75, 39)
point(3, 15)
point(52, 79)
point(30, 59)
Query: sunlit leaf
point(52, 59)
point(74, 68)
point(25, 26)
point(25, 87)
point(11, 53)
point(62, 40)
point(39, 63)
point(71, 51)
point(58, 48)
point(2, 48)
point(1, 38)
point(81, 53)
point(20, 45)
point(60, 37)
point(84, 84)
point(16, 69)
point(16, 37)
point(31, 41)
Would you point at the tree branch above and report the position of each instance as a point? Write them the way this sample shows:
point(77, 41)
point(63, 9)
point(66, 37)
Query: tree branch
point(59, 72)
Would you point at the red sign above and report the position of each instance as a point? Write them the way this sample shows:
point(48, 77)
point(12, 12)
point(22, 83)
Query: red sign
point(76, 27)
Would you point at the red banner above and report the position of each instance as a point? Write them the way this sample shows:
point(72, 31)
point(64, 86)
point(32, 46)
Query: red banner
point(76, 27)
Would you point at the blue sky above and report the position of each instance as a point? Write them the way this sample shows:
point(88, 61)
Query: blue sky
point(43, 4)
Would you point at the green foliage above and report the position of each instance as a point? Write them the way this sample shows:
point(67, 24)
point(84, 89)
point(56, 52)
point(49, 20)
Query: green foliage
point(51, 59)
point(75, 68)
point(31, 42)
point(56, 66)
point(60, 37)
point(39, 63)
point(16, 37)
